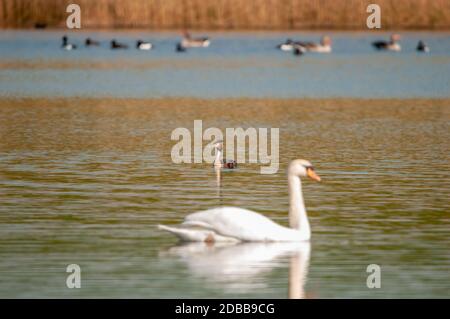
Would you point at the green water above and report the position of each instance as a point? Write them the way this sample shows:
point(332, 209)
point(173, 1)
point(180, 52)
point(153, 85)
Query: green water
point(87, 181)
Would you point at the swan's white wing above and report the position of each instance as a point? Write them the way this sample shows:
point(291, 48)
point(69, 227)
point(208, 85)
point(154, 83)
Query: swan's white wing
point(241, 224)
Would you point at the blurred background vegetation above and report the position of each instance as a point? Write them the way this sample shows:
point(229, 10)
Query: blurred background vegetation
point(227, 14)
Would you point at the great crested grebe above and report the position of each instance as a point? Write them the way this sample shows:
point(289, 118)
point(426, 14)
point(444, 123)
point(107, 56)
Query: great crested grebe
point(222, 163)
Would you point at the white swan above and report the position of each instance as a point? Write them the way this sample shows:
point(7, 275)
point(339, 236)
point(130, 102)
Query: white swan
point(238, 224)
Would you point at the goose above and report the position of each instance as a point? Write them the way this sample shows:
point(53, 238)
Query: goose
point(66, 45)
point(141, 45)
point(392, 45)
point(236, 224)
point(218, 161)
point(189, 42)
point(422, 47)
point(89, 42)
point(323, 47)
point(117, 45)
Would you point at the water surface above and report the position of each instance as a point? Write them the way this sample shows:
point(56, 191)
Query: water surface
point(86, 174)
point(86, 181)
point(237, 64)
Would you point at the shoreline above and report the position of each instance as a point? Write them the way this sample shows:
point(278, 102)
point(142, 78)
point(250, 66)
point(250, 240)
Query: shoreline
point(235, 30)
point(233, 101)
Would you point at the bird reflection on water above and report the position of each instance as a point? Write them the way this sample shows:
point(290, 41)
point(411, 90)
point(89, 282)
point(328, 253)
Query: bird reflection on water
point(236, 267)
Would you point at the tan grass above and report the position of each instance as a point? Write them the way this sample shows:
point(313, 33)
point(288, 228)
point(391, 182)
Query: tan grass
point(227, 14)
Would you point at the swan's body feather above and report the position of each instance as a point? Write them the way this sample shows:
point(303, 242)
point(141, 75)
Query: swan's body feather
point(233, 223)
point(196, 235)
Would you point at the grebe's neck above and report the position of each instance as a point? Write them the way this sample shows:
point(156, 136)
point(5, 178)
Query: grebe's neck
point(297, 213)
point(218, 159)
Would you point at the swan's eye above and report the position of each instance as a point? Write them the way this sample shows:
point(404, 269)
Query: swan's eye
point(310, 167)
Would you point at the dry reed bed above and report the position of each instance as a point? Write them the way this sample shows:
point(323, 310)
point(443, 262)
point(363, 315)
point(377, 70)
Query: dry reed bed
point(227, 14)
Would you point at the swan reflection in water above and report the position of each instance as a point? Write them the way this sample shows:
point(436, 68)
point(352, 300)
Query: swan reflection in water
point(218, 178)
point(240, 267)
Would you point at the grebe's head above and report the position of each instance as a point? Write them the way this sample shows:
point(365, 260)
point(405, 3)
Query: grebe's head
point(303, 168)
point(218, 145)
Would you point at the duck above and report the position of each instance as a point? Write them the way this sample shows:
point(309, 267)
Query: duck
point(392, 45)
point(422, 47)
point(180, 48)
point(117, 45)
point(323, 47)
point(66, 45)
point(141, 45)
point(288, 45)
point(218, 161)
point(189, 42)
point(89, 42)
point(235, 224)
point(40, 25)
point(299, 50)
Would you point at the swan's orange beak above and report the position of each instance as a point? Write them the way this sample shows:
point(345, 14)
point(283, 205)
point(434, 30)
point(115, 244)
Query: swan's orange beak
point(312, 174)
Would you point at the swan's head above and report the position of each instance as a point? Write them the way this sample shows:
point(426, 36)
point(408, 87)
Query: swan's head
point(303, 168)
point(218, 145)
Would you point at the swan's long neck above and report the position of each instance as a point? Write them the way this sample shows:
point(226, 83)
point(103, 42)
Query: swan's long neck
point(297, 212)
